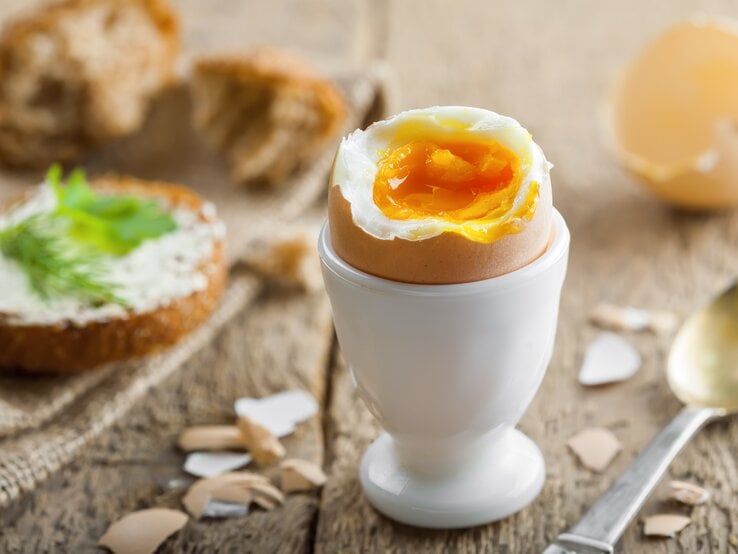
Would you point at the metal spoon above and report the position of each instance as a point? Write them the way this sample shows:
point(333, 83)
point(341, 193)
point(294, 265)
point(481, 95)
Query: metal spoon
point(703, 373)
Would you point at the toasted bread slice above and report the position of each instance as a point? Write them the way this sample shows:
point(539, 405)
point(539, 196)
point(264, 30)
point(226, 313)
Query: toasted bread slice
point(267, 112)
point(173, 285)
point(78, 72)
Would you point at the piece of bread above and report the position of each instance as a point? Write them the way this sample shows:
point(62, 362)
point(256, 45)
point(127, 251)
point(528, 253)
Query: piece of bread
point(66, 345)
point(78, 72)
point(266, 112)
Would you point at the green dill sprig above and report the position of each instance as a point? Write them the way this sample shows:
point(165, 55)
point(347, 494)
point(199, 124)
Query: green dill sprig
point(112, 223)
point(55, 266)
point(63, 252)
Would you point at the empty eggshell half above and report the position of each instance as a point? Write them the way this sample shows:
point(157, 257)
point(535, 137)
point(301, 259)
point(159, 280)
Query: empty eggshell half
point(672, 116)
point(417, 199)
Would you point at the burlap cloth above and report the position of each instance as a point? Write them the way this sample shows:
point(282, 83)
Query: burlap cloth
point(45, 421)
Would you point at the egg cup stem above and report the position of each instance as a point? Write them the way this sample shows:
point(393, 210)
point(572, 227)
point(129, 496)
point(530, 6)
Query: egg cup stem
point(449, 370)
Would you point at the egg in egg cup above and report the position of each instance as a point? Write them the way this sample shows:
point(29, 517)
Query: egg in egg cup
point(444, 260)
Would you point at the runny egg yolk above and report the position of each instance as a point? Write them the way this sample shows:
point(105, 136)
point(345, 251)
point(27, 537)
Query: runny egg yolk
point(470, 185)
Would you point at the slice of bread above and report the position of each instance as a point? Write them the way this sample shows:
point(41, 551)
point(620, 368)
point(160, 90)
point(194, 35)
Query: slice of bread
point(78, 72)
point(267, 112)
point(165, 305)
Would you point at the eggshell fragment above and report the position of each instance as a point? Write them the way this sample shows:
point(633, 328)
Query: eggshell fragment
point(266, 495)
point(665, 525)
point(265, 502)
point(200, 493)
point(232, 494)
point(211, 437)
point(688, 493)
point(142, 532)
point(210, 464)
point(609, 358)
point(595, 447)
point(663, 322)
point(627, 318)
point(228, 501)
point(280, 412)
point(263, 445)
point(300, 475)
point(673, 113)
point(218, 509)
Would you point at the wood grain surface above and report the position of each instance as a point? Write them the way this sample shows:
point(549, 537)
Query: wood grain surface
point(549, 65)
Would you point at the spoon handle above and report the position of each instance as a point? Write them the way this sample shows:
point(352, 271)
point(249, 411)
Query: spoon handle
point(603, 525)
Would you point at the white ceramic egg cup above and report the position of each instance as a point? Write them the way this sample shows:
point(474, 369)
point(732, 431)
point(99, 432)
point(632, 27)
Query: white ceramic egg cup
point(449, 370)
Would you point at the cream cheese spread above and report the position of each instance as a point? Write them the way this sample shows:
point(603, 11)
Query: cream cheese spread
point(153, 275)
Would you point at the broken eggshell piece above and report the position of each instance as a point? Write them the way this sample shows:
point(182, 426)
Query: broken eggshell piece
point(609, 358)
point(262, 444)
point(211, 437)
point(628, 318)
point(665, 525)
point(201, 492)
point(672, 117)
point(688, 493)
point(210, 464)
point(280, 412)
point(595, 447)
point(300, 476)
point(221, 509)
point(142, 532)
point(266, 491)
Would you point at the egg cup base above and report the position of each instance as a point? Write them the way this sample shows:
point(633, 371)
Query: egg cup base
point(507, 476)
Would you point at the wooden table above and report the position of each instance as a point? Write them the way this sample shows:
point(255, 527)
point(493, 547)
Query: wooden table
point(549, 65)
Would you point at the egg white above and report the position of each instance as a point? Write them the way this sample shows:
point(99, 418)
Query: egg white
point(359, 153)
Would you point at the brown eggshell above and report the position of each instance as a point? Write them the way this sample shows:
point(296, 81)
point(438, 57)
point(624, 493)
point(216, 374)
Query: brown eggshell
point(444, 259)
point(142, 532)
point(670, 118)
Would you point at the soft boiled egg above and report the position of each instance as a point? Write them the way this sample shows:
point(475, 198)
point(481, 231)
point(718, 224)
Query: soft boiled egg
point(446, 194)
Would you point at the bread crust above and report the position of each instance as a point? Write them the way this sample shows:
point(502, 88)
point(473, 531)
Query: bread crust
point(44, 20)
point(68, 347)
point(26, 143)
point(267, 112)
point(278, 67)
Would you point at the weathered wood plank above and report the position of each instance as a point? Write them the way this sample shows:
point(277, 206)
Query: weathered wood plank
point(548, 65)
point(282, 342)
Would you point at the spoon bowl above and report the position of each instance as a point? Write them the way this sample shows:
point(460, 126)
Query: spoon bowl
point(703, 363)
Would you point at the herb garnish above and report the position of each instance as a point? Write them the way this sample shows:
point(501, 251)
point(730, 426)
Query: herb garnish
point(112, 223)
point(63, 252)
point(55, 265)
